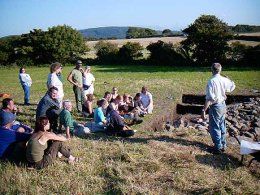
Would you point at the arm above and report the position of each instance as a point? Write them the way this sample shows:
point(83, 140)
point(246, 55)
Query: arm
point(206, 106)
point(53, 136)
point(69, 78)
point(89, 107)
point(209, 99)
point(22, 78)
point(68, 132)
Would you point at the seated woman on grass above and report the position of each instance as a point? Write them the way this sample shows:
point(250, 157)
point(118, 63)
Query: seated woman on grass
point(138, 106)
point(44, 146)
point(99, 118)
point(107, 97)
point(114, 94)
point(128, 101)
point(87, 107)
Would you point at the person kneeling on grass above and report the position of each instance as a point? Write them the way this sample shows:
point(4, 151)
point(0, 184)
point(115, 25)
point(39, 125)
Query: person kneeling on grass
point(70, 125)
point(117, 127)
point(44, 146)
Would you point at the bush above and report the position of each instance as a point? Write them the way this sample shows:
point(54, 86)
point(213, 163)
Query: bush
point(106, 51)
point(207, 40)
point(252, 56)
point(166, 53)
point(59, 43)
point(7, 49)
point(130, 52)
point(236, 51)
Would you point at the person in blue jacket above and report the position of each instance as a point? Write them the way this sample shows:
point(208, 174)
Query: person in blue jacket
point(11, 140)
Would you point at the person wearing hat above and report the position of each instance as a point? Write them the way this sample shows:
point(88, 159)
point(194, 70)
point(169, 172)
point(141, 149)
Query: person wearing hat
point(8, 106)
point(75, 78)
point(10, 139)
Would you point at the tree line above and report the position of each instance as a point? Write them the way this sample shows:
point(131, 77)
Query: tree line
point(206, 42)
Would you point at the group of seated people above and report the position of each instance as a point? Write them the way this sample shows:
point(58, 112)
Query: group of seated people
point(45, 143)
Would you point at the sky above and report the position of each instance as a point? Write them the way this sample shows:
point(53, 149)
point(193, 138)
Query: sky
point(21, 16)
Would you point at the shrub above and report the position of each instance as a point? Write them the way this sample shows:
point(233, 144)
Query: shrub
point(166, 53)
point(207, 39)
point(59, 43)
point(130, 52)
point(106, 51)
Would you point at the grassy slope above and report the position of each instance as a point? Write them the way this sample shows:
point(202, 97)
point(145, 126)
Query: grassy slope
point(150, 162)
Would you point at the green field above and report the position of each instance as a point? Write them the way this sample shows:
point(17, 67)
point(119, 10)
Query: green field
point(150, 162)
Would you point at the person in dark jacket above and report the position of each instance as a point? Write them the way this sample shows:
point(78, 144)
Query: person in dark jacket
point(117, 126)
point(50, 107)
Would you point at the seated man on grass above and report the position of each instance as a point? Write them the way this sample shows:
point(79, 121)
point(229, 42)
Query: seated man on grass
point(12, 143)
point(49, 106)
point(117, 127)
point(70, 125)
point(8, 107)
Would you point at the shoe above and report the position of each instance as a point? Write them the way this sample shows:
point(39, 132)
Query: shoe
point(76, 160)
point(223, 149)
point(214, 151)
point(137, 121)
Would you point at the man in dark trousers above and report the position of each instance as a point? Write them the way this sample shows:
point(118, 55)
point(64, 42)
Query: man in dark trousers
point(116, 125)
point(75, 78)
point(50, 107)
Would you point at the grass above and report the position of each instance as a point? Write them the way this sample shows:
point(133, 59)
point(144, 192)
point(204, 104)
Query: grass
point(151, 162)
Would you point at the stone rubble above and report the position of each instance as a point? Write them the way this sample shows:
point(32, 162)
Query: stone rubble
point(242, 119)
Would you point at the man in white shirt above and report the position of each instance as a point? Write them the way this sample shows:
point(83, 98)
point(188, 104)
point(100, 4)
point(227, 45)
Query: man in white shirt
point(147, 100)
point(88, 82)
point(215, 100)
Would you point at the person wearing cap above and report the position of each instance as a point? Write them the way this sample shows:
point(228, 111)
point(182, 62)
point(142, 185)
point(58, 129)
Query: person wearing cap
point(88, 82)
point(216, 90)
point(54, 80)
point(10, 140)
point(26, 83)
point(8, 106)
point(147, 100)
point(75, 78)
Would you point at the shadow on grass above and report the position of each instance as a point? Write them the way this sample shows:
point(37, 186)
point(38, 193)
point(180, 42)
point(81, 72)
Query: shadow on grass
point(22, 104)
point(149, 69)
point(224, 161)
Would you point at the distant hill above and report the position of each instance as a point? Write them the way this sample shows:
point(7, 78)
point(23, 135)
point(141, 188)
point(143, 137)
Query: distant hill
point(113, 32)
point(105, 32)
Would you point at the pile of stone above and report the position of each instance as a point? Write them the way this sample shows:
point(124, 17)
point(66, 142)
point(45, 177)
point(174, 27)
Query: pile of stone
point(241, 119)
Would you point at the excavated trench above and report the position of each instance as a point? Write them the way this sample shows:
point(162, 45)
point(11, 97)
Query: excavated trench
point(191, 106)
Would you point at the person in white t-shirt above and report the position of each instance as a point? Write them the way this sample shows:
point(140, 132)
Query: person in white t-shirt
point(26, 83)
point(54, 80)
point(216, 90)
point(88, 82)
point(147, 100)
